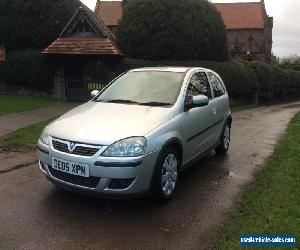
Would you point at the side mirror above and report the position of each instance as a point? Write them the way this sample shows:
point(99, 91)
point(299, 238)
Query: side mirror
point(195, 101)
point(200, 101)
point(94, 93)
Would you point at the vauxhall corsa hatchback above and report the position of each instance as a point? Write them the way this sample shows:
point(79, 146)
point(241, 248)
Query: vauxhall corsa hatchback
point(135, 136)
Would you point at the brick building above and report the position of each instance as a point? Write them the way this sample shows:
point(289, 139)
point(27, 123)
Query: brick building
point(249, 30)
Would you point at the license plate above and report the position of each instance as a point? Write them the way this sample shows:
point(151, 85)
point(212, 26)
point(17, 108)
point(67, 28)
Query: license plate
point(71, 167)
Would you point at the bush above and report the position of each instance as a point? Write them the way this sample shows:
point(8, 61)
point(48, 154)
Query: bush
point(264, 76)
point(33, 24)
point(291, 66)
point(4, 72)
point(275, 84)
point(245, 81)
point(173, 30)
point(28, 68)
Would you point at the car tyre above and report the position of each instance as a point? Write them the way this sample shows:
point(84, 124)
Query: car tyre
point(165, 176)
point(225, 140)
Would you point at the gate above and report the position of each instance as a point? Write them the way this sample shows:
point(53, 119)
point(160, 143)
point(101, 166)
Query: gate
point(80, 90)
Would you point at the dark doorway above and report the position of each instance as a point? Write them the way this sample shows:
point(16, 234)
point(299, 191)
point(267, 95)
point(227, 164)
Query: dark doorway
point(75, 85)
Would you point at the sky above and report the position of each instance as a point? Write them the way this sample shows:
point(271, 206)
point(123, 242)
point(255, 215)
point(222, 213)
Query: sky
point(286, 31)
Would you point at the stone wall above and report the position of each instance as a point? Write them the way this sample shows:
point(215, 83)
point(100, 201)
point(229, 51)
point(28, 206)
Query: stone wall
point(59, 90)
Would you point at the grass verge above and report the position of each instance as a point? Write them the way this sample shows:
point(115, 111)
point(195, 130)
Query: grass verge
point(270, 205)
point(23, 139)
point(10, 104)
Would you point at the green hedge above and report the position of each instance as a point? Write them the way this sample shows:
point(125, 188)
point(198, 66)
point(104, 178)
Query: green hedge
point(172, 30)
point(28, 68)
point(245, 81)
point(291, 66)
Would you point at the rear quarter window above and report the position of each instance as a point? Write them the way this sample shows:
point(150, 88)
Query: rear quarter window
point(199, 85)
point(217, 86)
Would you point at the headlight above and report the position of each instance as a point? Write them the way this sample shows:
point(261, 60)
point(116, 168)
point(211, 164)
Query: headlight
point(44, 138)
point(134, 146)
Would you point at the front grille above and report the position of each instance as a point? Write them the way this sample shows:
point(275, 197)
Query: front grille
point(85, 151)
point(90, 182)
point(79, 150)
point(63, 147)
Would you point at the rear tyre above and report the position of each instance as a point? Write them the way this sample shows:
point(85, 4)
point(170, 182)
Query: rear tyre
point(165, 176)
point(225, 140)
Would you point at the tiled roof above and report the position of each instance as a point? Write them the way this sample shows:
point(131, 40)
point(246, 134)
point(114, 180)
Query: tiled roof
point(111, 12)
point(103, 43)
point(235, 15)
point(242, 15)
point(95, 19)
point(83, 45)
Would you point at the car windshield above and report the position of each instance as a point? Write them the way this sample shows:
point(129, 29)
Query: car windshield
point(149, 88)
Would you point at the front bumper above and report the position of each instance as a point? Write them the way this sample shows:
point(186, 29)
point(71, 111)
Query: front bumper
point(134, 173)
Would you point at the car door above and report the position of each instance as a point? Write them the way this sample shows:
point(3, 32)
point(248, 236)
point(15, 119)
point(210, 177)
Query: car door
point(220, 103)
point(197, 121)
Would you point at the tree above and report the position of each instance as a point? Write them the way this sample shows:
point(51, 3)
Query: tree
point(291, 62)
point(172, 30)
point(32, 23)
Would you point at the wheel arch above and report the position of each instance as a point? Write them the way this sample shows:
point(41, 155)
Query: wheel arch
point(175, 143)
point(229, 119)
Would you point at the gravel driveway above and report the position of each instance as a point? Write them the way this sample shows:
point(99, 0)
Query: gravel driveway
point(36, 215)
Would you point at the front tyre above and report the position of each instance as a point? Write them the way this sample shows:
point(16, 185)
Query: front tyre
point(165, 176)
point(225, 140)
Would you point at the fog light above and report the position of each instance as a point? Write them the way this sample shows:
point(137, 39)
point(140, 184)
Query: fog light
point(120, 183)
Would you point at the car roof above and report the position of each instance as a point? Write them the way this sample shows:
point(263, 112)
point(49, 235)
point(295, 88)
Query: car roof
point(168, 69)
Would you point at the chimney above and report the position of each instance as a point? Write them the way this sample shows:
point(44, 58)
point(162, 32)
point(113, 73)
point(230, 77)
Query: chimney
point(97, 6)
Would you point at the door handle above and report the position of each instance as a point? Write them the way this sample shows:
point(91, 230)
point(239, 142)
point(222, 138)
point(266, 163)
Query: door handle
point(214, 110)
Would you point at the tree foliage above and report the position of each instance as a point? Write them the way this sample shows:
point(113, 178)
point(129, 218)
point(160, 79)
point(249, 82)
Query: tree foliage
point(33, 24)
point(291, 62)
point(172, 30)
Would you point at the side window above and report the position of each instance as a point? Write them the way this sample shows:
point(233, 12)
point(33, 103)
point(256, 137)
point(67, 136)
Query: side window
point(216, 85)
point(199, 85)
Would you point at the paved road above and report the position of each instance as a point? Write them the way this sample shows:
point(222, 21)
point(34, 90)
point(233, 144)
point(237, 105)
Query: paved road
point(36, 215)
point(9, 123)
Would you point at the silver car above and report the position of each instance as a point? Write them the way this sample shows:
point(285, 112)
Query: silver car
point(135, 136)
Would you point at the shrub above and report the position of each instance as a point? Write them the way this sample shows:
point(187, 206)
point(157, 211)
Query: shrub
point(172, 30)
point(264, 76)
point(28, 68)
point(33, 24)
point(4, 72)
point(291, 66)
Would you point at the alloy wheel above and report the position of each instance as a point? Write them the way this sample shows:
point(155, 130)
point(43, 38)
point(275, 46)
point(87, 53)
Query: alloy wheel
point(169, 174)
point(226, 137)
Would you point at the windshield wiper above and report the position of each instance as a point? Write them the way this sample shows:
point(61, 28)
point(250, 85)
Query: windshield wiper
point(155, 104)
point(120, 101)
